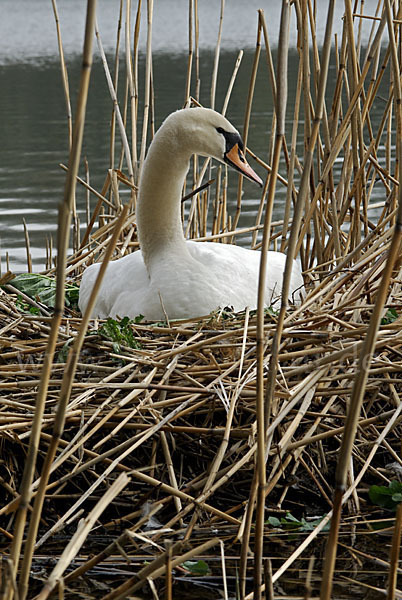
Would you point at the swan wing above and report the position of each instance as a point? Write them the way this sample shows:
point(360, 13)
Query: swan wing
point(237, 271)
point(124, 290)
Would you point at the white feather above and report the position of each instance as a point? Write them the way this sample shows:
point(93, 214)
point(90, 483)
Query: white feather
point(171, 276)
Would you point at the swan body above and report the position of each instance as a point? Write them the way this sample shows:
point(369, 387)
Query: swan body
point(171, 276)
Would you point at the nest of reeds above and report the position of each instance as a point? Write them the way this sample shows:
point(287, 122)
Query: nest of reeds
point(172, 408)
point(138, 445)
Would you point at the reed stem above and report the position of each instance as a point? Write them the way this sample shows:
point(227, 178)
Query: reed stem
point(366, 354)
point(65, 209)
point(263, 411)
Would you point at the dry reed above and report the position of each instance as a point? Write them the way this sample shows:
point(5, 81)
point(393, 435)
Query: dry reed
point(201, 421)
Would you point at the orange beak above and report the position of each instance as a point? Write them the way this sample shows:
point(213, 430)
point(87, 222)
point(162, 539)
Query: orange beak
point(235, 157)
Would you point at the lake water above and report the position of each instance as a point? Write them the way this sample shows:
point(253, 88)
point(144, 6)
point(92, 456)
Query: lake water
point(33, 132)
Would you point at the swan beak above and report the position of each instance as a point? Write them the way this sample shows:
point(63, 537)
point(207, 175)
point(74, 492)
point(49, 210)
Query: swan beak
point(235, 158)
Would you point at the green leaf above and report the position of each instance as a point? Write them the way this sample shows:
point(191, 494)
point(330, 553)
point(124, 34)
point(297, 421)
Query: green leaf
point(395, 486)
point(43, 288)
point(310, 525)
point(196, 567)
point(290, 523)
point(34, 310)
point(37, 287)
point(290, 517)
point(110, 330)
point(386, 497)
point(378, 494)
point(271, 312)
point(390, 316)
point(72, 295)
point(25, 306)
point(124, 322)
point(120, 333)
point(21, 304)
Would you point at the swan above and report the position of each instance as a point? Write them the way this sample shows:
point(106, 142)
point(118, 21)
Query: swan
point(171, 276)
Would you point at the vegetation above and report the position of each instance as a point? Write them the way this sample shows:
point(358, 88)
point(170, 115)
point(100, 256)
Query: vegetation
point(43, 289)
point(134, 419)
point(119, 332)
point(388, 497)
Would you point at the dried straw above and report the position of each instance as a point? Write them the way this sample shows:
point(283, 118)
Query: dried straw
point(173, 410)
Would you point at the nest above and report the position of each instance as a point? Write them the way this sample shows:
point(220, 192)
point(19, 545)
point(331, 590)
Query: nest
point(171, 408)
point(147, 445)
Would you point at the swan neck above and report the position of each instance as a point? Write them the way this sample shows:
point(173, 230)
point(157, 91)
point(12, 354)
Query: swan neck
point(159, 222)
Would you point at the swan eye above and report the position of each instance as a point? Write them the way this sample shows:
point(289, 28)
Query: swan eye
point(220, 130)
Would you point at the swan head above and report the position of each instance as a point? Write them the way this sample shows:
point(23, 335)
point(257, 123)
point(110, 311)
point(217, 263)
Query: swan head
point(205, 132)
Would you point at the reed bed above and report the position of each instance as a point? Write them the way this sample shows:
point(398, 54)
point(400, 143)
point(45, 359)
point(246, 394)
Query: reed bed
point(202, 457)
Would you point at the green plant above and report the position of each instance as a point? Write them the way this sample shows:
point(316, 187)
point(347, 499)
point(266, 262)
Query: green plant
point(25, 307)
point(43, 289)
point(119, 333)
point(386, 497)
point(272, 312)
point(290, 523)
point(390, 316)
point(196, 567)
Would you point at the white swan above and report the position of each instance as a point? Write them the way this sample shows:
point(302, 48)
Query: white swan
point(170, 275)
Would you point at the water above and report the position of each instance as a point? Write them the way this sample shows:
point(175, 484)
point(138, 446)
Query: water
point(34, 130)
